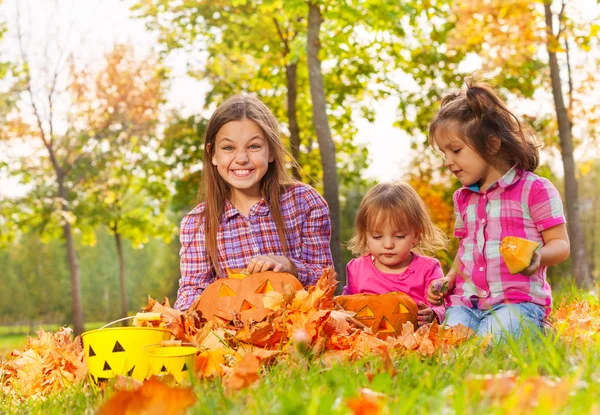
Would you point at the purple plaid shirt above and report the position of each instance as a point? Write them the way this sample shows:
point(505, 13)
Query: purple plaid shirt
point(240, 238)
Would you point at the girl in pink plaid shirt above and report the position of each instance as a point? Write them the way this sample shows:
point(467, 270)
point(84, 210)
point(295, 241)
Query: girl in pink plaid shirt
point(253, 216)
point(486, 148)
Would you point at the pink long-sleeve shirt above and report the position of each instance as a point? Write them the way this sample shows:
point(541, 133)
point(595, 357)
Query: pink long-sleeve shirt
point(364, 278)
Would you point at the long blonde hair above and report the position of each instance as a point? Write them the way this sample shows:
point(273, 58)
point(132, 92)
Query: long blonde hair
point(398, 205)
point(214, 190)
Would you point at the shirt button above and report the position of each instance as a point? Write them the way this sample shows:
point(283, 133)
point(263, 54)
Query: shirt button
point(481, 269)
point(482, 220)
point(256, 250)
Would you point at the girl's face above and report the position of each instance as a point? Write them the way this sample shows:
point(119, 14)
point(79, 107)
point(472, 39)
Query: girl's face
point(391, 249)
point(242, 157)
point(464, 162)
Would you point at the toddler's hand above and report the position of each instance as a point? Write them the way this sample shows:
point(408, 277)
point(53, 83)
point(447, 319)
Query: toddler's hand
point(536, 261)
point(437, 290)
point(425, 314)
point(262, 263)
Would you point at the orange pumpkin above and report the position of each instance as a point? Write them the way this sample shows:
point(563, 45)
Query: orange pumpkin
point(242, 295)
point(382, 313)
point(517, 253)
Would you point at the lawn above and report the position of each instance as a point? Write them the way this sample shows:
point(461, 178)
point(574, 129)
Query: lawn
point(541, 375)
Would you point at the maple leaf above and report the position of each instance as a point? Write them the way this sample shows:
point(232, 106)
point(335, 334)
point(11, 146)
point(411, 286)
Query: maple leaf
point(244, 374)
point(212, 362)
point(152, 398)
point(273, 300)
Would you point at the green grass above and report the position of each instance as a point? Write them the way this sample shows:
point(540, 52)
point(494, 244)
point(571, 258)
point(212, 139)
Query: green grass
point(421, 386)
point(15, 337)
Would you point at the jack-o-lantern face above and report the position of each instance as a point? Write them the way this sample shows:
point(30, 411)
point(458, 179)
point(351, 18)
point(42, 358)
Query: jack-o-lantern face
point(382, 313)
point(120, 351)
point(226, 297)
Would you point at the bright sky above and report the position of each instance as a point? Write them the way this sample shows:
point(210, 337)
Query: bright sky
point(91, 27)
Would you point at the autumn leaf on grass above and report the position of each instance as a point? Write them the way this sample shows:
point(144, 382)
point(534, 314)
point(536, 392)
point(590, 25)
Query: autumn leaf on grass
point(212, 362)
point(152, 398)
point(244, 374)
point(367, 403)
point(521, 395)
point(47, 364)
point(577, 321)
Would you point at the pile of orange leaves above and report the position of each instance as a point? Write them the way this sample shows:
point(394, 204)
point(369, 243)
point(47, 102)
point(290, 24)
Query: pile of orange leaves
point(46, 364)
point(304, 323)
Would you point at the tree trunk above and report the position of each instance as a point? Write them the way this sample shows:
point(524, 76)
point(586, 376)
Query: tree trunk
point(124, 310)
point(326, 144)
point(77, 310)
point(580, 266)
point(292, 97)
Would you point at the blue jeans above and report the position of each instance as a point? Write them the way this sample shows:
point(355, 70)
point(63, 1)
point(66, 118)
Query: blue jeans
point(500, 320)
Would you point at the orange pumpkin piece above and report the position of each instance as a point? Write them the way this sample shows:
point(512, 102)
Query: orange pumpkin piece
point(517, 253)
point(225, 298)
point(239, 273)
point(384, 314)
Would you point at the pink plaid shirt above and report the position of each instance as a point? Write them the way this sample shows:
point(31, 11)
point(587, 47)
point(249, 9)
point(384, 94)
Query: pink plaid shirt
point(519, 204)
point(241, 238)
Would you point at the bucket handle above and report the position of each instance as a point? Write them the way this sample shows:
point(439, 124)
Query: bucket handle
point(129, 318)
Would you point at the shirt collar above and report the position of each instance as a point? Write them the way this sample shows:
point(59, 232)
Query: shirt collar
point(259, 209)
point(510, 177)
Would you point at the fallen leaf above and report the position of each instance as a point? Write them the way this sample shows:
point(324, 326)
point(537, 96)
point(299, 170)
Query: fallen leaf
point(152, 398)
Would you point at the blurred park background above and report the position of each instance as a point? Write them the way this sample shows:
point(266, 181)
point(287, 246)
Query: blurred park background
point(103, 106)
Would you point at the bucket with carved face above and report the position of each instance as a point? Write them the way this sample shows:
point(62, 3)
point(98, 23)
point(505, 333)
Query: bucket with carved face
point(175, 360)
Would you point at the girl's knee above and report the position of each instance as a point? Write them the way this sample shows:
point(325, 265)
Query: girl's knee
point(461, 315)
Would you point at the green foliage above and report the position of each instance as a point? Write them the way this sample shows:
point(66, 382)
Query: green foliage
point(37, 282)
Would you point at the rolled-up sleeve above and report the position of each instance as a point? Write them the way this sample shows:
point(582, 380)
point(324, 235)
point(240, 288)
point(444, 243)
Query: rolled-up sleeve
point(195, 267)
point(315, 239)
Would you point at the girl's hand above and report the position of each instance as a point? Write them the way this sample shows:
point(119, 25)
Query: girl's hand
point(425, 314)
point(262, 263)
point(536, 261)
point(438, 289)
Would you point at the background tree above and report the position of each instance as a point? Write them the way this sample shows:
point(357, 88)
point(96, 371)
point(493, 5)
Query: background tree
point(128, 193)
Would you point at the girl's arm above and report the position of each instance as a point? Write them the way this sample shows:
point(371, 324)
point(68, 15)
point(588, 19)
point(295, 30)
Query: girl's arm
point(315, 235)
point(546, 210)
point(555, 250)
point(434, 293)
point(435, 274)
point(196, 270)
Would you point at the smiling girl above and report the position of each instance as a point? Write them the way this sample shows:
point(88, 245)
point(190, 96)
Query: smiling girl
point(392, 230)
point(253, 215)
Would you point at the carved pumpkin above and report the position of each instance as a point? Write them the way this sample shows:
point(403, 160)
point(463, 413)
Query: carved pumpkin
point(242, 295)
point(382, 313)
point(517, 253)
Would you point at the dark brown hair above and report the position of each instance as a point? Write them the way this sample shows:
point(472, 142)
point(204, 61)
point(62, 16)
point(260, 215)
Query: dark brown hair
point(215, 190)
point(482, 118)
point(395, 205)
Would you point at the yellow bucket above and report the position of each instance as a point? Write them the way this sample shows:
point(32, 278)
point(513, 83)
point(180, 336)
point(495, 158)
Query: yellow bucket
point(120, 351)
point(177, 361)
